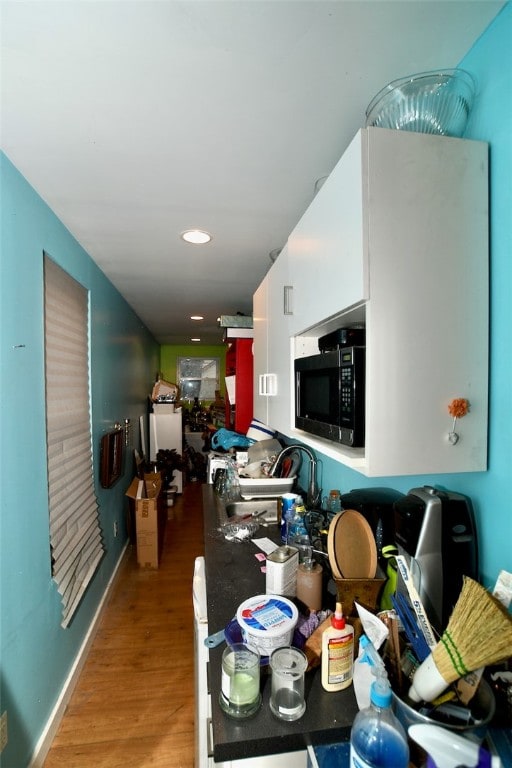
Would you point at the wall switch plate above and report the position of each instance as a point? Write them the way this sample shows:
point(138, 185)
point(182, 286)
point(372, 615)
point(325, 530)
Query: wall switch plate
point(3, 730)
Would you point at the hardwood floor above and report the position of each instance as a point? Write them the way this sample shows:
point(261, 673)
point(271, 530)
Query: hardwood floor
point(133, 706)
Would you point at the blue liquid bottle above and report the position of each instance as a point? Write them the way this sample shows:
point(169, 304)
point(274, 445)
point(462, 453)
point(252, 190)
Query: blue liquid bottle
point(377, 739)
point(295, 521)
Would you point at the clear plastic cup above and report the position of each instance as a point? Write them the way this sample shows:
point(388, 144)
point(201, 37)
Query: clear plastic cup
point(288, 667)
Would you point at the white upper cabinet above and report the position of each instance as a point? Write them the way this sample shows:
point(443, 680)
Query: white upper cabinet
point(272, 310)
point(327, 249)
point(260, 349)
point(427, 318)
point(397, 237)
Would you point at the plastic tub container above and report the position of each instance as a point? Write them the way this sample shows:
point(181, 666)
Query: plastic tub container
point(267, 622)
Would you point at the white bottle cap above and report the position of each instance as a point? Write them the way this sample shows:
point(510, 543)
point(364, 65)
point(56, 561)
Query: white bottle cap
point(427, 681)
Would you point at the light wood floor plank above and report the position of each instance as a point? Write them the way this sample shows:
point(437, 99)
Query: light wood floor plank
point(133, 706)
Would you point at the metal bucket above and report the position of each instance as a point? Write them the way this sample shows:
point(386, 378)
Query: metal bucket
point(482, 708)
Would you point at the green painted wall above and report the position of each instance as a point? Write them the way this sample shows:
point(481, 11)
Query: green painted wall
point(169, 354)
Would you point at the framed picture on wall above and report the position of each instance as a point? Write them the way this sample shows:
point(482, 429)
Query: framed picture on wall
point(111, 457)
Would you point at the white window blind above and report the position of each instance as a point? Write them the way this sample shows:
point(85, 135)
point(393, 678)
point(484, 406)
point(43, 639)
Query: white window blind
point(75, 534)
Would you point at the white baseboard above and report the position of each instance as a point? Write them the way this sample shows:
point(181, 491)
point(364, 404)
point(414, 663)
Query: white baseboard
point(50, 730)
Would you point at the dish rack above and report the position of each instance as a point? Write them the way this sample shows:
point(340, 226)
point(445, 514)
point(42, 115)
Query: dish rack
point(265, 487)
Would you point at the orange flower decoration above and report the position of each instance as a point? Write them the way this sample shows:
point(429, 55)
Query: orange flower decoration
point(458, 407)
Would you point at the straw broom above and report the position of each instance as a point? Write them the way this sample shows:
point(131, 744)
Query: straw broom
point(479, 633)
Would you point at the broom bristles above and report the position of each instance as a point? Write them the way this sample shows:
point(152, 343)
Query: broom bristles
point(479, 633)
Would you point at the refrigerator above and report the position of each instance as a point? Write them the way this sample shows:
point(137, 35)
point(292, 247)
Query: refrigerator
point(165, 432)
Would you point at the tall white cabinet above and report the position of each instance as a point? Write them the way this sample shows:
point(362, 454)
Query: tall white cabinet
point(397, 238)
point(272, 312)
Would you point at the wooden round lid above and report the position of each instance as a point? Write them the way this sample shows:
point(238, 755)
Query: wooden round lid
point(351, 546)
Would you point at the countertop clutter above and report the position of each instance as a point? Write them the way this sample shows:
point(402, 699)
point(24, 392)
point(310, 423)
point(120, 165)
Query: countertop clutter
point(233, 574)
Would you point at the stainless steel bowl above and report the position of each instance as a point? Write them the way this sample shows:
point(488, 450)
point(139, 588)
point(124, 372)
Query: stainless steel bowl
point(482, 708)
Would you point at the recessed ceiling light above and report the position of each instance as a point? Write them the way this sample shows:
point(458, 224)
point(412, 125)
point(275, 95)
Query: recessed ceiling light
point(195, 339)
point(196, 317)
point(196, 236)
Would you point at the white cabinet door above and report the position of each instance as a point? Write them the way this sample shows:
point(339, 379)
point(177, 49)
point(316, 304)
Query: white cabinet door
point(285, 760)
point(201, 659)
point(427, 317)
point(272, 310)
point(260, 349)
point(328, 258)
point(280, 373)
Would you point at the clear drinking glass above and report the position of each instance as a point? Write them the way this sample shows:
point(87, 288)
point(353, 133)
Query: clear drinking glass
point(220, 483)
point(288, 667)
point(233, 482)
point(240, 686)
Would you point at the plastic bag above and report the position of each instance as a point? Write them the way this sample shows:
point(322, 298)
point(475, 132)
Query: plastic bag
point(226, 439)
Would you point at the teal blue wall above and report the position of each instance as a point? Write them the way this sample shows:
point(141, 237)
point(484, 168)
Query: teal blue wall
point(491, 492)
point(36, 654)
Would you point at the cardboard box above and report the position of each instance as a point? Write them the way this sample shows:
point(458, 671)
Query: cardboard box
point(164, 389)
point(366, 592)
point(236, 321)
point(149, 513)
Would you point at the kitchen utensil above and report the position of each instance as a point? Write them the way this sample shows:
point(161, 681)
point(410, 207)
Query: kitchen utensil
point(212, 641)
point(247, 517)
point(436, 102)
point(351, 546)
point(413, 632)
point(479, 633)
point(421, 616)
point(286, 467)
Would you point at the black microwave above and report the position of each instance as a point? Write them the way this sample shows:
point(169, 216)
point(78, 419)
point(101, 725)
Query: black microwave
point(329, 395)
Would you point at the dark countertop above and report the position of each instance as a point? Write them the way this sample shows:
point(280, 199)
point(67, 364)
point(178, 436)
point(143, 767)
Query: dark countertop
point(232, 575)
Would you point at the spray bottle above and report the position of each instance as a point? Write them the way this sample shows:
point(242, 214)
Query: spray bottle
point(337, 653)
point(446, 749)
point(377, 738)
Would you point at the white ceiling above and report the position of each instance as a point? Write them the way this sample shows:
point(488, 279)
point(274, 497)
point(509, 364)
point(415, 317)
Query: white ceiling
point(136, 120)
